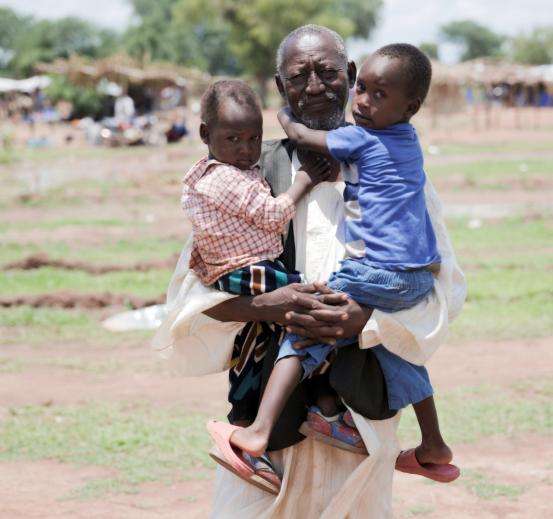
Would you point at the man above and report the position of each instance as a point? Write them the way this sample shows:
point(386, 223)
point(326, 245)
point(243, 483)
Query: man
point(314, 77)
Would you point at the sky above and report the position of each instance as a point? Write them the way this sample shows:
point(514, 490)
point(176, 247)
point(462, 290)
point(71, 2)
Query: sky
point(411, 21)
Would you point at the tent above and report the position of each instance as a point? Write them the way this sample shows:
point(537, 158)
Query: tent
point(26, 86)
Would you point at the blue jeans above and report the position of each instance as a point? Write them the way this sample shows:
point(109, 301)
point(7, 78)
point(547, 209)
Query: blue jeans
point(388, 291)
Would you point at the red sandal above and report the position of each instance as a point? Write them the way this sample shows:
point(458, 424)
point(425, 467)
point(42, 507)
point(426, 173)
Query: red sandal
point(231, 457)
point(407, 462)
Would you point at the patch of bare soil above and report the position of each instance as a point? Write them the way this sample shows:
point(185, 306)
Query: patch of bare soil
point(73, 300)
point(36, 261)
point(520, 465)
point(490, 363)
point(69, 375)
point(519, 468)
point(41, 489)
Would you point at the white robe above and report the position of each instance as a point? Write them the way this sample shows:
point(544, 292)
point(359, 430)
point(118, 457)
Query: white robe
point(319, 481)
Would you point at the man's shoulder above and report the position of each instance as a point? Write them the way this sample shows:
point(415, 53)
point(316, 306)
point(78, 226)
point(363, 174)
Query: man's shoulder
point(277, 147)
point(275, 163)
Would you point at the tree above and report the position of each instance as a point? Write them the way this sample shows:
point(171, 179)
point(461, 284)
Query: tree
point(430, 49)
point(258, 26)
point(477, 40)
point(151, 37)
point(11, 26)
point(535, 48)
point(188, 32)
point(46, 40)
point(211, 35)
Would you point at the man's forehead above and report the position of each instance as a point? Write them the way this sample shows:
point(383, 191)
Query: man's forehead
point(307, 47)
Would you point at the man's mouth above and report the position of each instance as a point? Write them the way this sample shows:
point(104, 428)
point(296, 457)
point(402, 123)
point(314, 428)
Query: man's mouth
point(317, 104)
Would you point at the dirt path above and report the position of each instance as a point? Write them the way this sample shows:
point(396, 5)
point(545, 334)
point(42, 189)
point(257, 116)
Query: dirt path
point(42, 490)
point(508, 478)
point(518, 467)
point(490, 363)
point(513, 474)
point(68, 375)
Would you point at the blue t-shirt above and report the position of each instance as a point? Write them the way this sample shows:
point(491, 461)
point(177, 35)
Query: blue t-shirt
point(392, 229)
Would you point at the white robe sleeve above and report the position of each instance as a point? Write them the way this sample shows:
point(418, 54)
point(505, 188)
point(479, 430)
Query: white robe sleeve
point(416, 333)
point(194, 343)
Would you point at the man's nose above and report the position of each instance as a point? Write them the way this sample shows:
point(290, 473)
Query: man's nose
point(314, 84)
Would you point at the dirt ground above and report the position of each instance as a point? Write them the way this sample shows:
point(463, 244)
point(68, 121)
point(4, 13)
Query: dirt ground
point(27, 488)
point(521, 463)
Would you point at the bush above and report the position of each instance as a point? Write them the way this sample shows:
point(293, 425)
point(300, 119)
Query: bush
point(86, 101)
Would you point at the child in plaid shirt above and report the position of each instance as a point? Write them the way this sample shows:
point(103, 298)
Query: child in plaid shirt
point(237, 224)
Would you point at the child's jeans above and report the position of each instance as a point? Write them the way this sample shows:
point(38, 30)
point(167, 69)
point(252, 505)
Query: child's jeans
point(388, 291)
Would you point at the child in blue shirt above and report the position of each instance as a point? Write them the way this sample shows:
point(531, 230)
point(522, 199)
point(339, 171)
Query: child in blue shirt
point(390, 244)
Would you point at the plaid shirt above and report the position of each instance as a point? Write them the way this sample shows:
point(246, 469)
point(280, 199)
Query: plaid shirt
point(235, 219)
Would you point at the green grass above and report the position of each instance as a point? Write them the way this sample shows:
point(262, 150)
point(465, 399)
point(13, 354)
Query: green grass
point(499, 148)
point(151, 283)
point(481, 486)
point(420, 510)
point(11, 366)
point(498, 237)
point(77, 364)
point(505, 304)
point(497, 174)
point(116, 252)
point(137, 443)
point(67, 153)
point(50, 225)
point(510, 280)
point(468, 415)
point(24, 324)
point(73, 193)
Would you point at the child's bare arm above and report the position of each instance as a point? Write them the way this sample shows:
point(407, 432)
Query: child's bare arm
point(312, 173)
point(303, 136)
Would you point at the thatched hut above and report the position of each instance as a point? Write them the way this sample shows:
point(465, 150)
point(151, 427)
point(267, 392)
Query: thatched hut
point(140, 81)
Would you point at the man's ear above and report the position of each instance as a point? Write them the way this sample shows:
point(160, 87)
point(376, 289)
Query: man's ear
point(352, 73)
point(204, 133)
point(412, 108)
point(280, 86)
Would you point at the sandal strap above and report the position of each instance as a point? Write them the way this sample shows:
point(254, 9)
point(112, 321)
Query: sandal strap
point(260, 463)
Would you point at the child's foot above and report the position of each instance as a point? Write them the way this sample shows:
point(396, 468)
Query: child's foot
point(328, 405)
point(250, 440)
point(438, 453)
point(333, 431)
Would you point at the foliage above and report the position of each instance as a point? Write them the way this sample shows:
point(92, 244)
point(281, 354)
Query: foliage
point(231, 36)
point(258, 26)
point(476, 39)
point(26, 41)
point(184, 32)
point(11, 26)
point(85, 101)
point(430, 49)
point(535, 48)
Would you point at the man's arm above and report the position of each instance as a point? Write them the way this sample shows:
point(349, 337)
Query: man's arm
point(303, 136)
point(310, 323)
point(291, 306)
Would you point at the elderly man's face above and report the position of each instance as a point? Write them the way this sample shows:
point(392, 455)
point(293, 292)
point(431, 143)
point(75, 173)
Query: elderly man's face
point(315, 81)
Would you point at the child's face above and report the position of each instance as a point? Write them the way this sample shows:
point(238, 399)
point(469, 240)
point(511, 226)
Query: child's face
point(380, 98)
point(235, 136)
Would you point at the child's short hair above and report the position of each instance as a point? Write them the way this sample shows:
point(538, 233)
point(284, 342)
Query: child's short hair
point(418, 69)
point(218, 92)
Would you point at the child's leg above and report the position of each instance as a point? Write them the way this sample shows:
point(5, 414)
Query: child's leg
point(286, 375)
point(323, 395)
point(433, 448)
